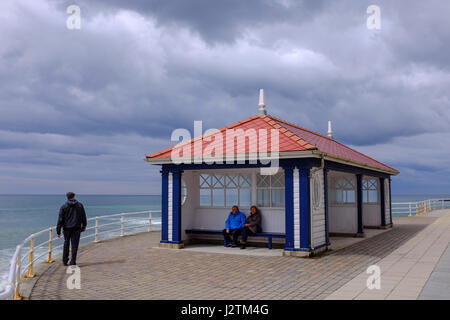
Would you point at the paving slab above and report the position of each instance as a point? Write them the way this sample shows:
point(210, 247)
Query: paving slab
point(419, 269)
point(438, 285)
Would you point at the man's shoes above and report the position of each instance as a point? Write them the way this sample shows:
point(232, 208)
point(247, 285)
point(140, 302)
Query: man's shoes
point(243, 246)
point(65, 264)
point(228, 245)
point(233, 245)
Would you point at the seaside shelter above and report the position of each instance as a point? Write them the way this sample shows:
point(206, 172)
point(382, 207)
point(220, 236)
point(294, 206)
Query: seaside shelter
point(308, 186)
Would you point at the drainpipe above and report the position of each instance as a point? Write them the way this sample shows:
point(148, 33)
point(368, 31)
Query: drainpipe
point(311, 173)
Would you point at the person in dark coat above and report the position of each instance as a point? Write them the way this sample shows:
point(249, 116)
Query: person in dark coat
point(72, 219)
point(252, 225)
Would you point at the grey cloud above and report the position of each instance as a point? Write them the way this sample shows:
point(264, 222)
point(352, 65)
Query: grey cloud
point(215, 21)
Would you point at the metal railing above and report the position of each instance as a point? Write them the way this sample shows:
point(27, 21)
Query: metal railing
point(418, 208)
point(18, 271)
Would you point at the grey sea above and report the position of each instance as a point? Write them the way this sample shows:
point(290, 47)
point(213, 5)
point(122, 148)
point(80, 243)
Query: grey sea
point(22, 215)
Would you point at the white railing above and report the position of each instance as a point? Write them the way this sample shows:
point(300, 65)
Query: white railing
point(418, 208)
point(18, 271)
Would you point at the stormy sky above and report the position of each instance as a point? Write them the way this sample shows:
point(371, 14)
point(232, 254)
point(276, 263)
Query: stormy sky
point(81, 108)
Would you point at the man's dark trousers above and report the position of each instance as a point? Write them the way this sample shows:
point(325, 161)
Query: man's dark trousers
point(234, 232)
point(71, 236)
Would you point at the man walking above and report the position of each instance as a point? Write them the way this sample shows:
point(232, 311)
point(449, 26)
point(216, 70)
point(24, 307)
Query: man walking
point(72, 219)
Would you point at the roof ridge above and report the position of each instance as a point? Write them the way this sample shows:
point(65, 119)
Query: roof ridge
point(304, 144)
point(318, 134)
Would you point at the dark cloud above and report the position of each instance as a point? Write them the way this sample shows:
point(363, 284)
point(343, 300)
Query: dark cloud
point(114, 90)
point(215, 21)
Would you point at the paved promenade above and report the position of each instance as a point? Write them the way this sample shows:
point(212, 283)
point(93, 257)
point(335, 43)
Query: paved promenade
point(134, 267)
point(410, 269)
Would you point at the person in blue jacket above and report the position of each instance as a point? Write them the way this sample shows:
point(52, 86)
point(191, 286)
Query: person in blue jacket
point(233, 226)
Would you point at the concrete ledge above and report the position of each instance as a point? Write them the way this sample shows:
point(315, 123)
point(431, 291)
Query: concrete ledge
point(172, 245)
point(319, 251)
point(378, 227)
point(296, 254)
point(343, 234)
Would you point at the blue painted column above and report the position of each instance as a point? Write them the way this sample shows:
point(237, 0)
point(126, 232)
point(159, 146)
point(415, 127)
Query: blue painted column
point(171, 206)
point(325, 184)
point(390, 202)
point(164, 205)
point(305, 211)
point(289, 209)
point(176, 206)
point(359, 201)
point(382, 203)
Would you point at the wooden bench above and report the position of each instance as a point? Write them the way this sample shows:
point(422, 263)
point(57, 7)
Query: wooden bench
point(268, 235)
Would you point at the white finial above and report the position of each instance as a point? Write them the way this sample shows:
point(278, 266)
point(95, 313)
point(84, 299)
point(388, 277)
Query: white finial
point(262, 105)
point(330, 131)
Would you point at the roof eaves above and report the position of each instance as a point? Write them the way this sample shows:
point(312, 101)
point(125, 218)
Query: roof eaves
point(334, 157)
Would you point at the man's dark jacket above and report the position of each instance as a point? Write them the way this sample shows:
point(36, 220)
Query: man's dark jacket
point(71, 215)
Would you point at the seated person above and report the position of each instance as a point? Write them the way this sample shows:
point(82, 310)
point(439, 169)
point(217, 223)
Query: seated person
point(233, 226)
point(252, 225)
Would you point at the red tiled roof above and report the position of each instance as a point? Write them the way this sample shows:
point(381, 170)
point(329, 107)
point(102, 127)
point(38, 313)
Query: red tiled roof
point(291, 138)
point(331, 146)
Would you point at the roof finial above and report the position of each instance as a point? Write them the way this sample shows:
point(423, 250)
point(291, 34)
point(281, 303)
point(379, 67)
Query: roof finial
point(330, 131)
point(262, 106)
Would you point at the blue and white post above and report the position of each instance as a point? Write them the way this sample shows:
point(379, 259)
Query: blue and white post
point(171, 208)
point(297, 220)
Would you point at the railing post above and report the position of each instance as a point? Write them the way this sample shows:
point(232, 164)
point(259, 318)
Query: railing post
point(30, 273)
point(417, 209)
point(50, 240)
point(149, 221)
point(122, 225)
point(442, 204)
point(96, 230)
point(409, 209)
point(17, 277)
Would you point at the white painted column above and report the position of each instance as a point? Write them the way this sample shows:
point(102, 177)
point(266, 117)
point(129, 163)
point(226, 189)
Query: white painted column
point(254, 190)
